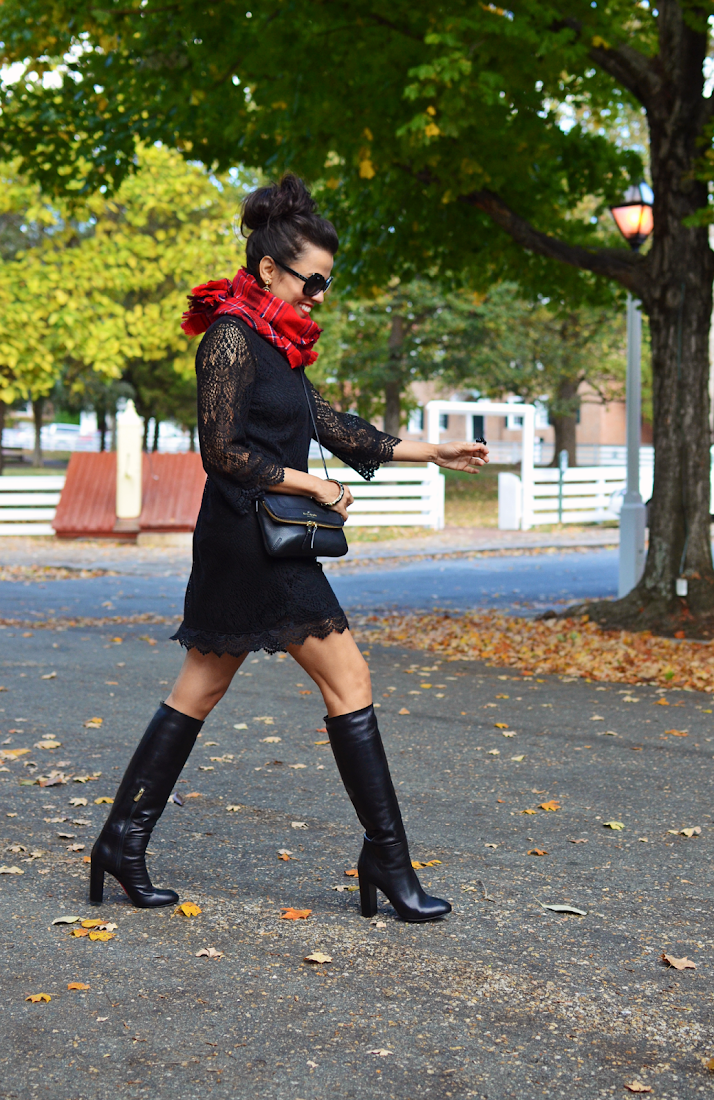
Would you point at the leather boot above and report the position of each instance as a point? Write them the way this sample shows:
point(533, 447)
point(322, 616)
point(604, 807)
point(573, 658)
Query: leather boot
point(384, 862)
point(138, 805)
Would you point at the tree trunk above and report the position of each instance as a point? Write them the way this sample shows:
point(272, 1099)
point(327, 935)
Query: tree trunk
point(38, 406)
point(102, 426)
point(393, 386)
point(565, 423)
point(155, 443)
point(3, 408)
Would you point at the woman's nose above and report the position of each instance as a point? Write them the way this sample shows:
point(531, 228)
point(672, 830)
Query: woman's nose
point(319, 297)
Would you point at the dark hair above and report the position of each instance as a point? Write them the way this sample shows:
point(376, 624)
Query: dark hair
point(282, 220)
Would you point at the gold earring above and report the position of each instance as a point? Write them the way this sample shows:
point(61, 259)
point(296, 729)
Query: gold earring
point(267, 284)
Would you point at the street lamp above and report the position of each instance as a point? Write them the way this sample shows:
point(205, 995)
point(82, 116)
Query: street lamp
point(633, 217)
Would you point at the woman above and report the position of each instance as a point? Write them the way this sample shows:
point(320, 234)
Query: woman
point(255, 430)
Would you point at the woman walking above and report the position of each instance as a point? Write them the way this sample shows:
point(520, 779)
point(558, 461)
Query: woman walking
point(255, 426)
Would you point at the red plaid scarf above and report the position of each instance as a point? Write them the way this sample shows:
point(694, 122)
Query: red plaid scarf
point(271, 317)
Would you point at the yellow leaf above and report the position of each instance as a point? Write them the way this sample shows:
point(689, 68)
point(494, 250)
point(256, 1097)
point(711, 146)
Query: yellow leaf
point(102, 936)
point(432, 130)
point(79, 932)
point(366, 169)
point(404, 711)
point(318, 957)
point(616, 825)
point(91, 923)
point(501, 725)
point(77, 985)
point(103, 801)
point(36, 997)
point(352, 874)
point(189, 909)
point(549, 807)
point(662, 703)
point(529, 811)
point(93, 723)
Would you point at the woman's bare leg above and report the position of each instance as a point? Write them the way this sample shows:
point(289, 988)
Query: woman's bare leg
point(202, 682)
point(339, 670)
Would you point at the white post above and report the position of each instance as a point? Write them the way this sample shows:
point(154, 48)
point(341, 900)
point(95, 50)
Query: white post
point(130, 430)
point(633, 514)
point(527, 457)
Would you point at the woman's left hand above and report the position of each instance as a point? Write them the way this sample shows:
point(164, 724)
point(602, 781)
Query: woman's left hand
point(461, 456)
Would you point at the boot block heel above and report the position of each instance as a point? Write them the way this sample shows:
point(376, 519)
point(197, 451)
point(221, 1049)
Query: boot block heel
point(368, 898)
point(96, 884)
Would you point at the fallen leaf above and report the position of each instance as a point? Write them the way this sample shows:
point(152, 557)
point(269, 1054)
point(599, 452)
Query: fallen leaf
point(66, 920)
point(490, 845)
point(176, 798)
point(295, 914)
point(76, 847)
point(597, 718)
point(271, 740)
point(101, 936)
point(189, 909)
point(353, 873)
point(306, 691)
point(103, 801)
point(78, 801)
point(404, 711)
point(529, 811)
point(662, 703)
point(93, 723)
point(206, 768)
point(616, 825)
point(318, 957)
point(582, 840)
point(92, 923)
point(265, 718)
point(241, 726)
point(637, 1086)
point(610, 733)
point(12, 754)
point(501, 725)
point(678, 964)
point(49, 676)
point(298, 824)
point(710, 1065)
point(209, 953)
point(564, 909)
point(193, 794)
point(233, 809)
point(537, 852)
point(494, 752)
point(696, 831)
point(381, 1052)
point(78, 985)
point(518, 759)
point(48, 744)
point(36, 997)
point(417, 863)
point(342, 888)
point(677, 733)
point(509, 733)
point(549, 807)
point(5, 870)
point(79, 932)
point(321, 742)
point(297, 767)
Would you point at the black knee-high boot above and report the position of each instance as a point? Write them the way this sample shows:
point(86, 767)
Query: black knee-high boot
point(138, 805)
point(384, 862)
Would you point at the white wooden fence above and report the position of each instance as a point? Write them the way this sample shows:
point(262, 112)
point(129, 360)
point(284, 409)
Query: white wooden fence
point(585, 494)
point(397, 496)
point(28, 504)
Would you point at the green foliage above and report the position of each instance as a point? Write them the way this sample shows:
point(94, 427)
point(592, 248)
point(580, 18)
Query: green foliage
point(98, 289)
point(401, 116)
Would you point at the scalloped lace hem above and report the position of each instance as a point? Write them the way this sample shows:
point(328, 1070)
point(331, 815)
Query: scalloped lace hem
point(272, 641)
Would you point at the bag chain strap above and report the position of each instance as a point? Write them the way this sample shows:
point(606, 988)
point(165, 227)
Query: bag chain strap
point(314, 425)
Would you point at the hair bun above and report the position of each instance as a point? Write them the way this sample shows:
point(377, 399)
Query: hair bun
point(288, 199)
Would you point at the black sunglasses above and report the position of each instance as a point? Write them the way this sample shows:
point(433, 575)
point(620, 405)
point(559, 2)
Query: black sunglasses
point(313, 283)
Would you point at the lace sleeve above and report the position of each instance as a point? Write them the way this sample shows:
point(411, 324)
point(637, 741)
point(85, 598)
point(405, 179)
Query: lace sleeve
point(225, 369)
point(353, 440)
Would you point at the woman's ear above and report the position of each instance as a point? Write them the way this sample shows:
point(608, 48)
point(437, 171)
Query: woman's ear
point(266, 271)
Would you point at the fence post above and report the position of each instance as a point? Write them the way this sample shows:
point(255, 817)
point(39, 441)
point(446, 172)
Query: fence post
point(562, 467)
point(129, 439)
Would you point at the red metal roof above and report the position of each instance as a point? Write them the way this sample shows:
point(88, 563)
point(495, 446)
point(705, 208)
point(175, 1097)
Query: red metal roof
point(172, 488)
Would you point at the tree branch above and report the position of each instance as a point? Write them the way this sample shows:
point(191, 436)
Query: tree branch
point(614, 263)
point(628, 66)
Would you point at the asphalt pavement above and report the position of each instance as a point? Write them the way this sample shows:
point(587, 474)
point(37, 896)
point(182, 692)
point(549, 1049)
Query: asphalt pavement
point(505, 998)
point(523, 584)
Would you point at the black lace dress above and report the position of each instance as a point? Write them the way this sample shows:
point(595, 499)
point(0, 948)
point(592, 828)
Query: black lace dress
point(253, 422)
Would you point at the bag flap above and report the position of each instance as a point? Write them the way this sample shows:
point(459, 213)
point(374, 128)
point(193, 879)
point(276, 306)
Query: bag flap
point(297, 509)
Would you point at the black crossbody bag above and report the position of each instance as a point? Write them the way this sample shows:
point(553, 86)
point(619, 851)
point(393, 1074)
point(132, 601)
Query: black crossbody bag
point(297, 527)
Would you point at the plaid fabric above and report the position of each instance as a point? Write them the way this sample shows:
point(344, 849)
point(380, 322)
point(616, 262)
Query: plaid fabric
point(271, 317)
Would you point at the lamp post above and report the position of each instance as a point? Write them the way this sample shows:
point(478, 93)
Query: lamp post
point(633, 218)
